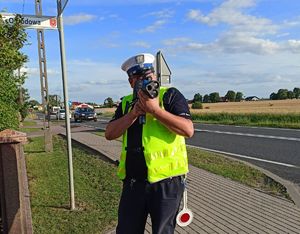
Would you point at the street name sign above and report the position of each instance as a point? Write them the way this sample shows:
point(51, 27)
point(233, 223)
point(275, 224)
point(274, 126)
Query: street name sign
point(32, 21)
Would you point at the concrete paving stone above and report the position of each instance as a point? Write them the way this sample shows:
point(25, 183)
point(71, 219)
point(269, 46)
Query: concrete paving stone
point(238, 211)
point(260, 208)
point(281, 205)
point(207, 209)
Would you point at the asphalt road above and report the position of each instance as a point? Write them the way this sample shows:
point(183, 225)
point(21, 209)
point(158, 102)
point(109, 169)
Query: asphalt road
point(276, 150)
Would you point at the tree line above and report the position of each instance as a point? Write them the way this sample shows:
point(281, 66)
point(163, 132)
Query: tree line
point(285, 94)
point(230, 96)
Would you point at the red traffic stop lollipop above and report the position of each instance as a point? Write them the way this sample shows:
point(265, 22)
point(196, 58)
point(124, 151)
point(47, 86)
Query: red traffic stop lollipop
point(184, 217)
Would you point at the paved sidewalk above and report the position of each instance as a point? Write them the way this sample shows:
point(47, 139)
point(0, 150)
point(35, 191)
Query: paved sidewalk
point(219, 205)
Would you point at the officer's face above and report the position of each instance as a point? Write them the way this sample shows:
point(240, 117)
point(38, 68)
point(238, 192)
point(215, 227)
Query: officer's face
point(134, 78)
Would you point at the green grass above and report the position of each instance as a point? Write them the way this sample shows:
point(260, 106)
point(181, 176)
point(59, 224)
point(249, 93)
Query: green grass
point(29, 123)
point(235, 170)
point(26, 130)
point(253, 119)
point(108, 114)
point(35, 145)
point(97, 190)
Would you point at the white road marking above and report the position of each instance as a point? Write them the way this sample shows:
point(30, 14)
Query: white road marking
point(250, 135)
point(259, 127)
point(237, 155)
point(245, 156)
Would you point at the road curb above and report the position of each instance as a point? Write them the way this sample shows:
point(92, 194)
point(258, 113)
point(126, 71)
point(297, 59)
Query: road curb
point(292, 189)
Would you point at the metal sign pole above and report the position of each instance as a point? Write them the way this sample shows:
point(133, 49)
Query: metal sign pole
point(66, 100)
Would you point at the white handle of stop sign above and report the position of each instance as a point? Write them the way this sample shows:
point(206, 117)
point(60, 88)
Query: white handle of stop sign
point(185, 216)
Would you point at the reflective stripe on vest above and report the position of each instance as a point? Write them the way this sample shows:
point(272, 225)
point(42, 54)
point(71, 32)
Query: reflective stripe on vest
point(165, 152)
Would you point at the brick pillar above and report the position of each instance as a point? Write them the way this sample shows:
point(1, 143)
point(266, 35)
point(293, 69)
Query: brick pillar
point(14, 193)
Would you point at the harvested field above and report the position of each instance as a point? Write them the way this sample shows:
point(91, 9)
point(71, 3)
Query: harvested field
point(266, 106)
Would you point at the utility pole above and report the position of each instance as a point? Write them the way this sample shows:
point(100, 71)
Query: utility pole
point(44, 80)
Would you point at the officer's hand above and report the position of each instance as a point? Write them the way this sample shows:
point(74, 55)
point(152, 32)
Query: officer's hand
point(149, 105)
point(137, 110)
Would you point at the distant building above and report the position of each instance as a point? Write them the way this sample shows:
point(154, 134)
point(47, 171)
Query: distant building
point(74, 105)
point(190, 101)
point(251, 98)
point(223, 99)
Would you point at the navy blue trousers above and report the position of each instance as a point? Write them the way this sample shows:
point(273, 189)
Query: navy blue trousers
point(139, 198)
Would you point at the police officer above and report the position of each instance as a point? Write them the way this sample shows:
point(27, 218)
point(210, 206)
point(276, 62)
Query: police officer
point(154, 158)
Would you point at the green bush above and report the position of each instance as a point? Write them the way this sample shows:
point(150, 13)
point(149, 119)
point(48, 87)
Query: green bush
point(12, 38)
point(8, 117)
point(197, 105)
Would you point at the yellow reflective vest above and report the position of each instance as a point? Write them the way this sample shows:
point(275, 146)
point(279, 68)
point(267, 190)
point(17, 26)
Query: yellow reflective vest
point(164, 151)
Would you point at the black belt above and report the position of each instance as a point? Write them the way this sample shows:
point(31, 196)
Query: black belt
point(126, 180)
point(135, 149)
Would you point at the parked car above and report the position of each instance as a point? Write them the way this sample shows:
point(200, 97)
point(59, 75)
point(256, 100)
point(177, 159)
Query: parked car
point(61, 114)
point(85, 113)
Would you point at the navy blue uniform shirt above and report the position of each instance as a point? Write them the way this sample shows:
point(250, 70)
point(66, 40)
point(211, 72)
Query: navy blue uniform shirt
point(175, 103)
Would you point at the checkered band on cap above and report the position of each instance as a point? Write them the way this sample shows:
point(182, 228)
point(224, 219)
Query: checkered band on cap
point(138, 64)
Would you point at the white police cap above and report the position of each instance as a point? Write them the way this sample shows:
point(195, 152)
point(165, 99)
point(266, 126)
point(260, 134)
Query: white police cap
point(138, 64)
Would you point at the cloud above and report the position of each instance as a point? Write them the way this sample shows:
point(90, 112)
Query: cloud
point(230, 13)
point(11, 1)
point(78, 19)
point(154, 27)
point(88, 80)
point(141, 44)
point(234, 43)
point(109, 40)
point(34, 71)
point(166, 13)
point(285, 34)
point(292, 23)
point(161, 17)
point(293, 46)
point(108, 16)
point(95, 73)
point(260, 83)
point(126, 3)
point(175, 41)
point(245, 33)
point(243, 43)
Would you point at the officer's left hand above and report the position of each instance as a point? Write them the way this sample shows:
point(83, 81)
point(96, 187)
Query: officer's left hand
point(149, 105)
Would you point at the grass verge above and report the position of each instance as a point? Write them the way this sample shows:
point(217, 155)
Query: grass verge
point(253, 119)
point(97, 190)
point(29, 123)
point(27, 130)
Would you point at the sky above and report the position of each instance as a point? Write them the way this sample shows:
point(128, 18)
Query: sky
point(250, 46)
